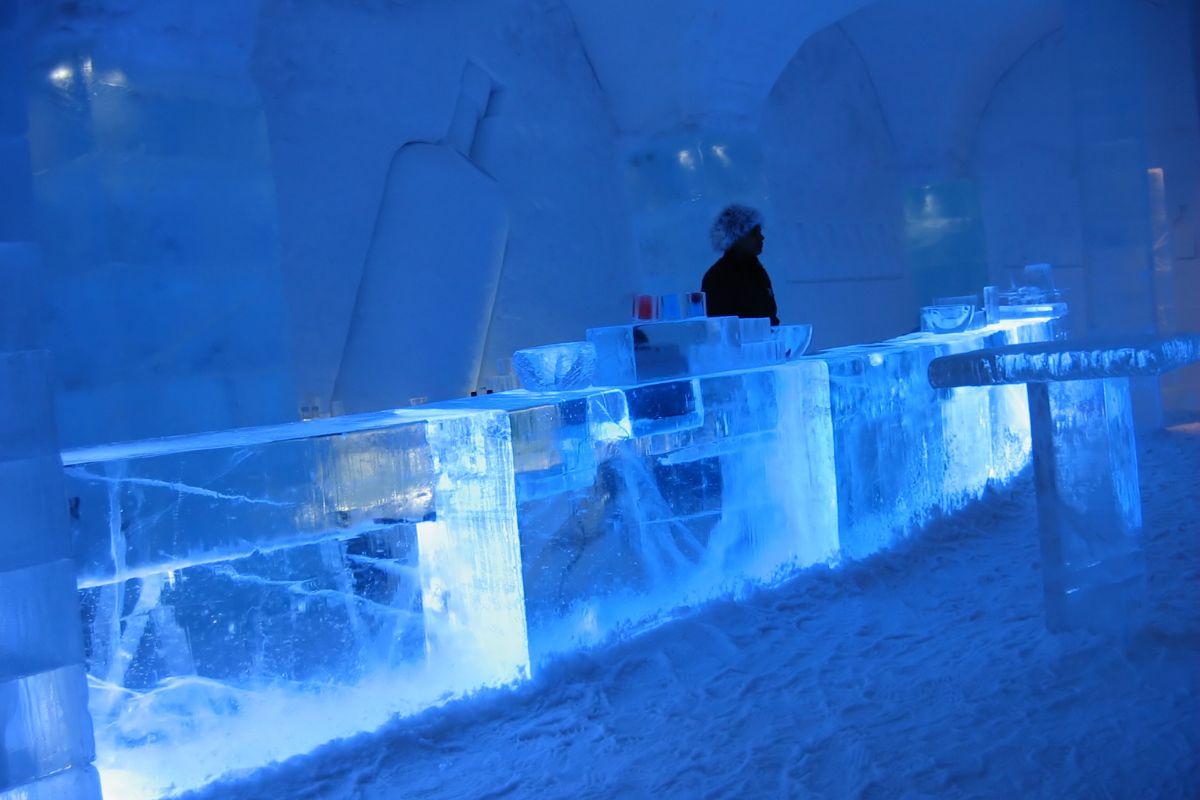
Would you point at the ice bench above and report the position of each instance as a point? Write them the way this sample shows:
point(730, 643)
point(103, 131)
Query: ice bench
point(1085, 465)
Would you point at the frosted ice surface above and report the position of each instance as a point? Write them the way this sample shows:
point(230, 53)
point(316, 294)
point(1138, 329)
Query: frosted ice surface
point(556, 367)
point(1063, 361)
point(888, 442)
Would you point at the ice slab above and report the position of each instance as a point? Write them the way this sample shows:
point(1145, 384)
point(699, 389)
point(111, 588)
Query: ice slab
point(390, 583)
point(555, 434)
point(794, 338)
point(556, 367)
point(727, 480)
point(1065, 361)
point(147, 506)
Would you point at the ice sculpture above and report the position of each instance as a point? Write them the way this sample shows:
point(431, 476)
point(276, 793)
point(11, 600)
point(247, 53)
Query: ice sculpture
point(1085, 464)
point(343, 569)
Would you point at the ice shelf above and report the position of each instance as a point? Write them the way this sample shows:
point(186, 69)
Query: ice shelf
point(354, 568)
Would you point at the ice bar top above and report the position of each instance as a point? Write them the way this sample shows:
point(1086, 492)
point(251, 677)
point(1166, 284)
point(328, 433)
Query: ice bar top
point(1065, 361)
point(247, 437)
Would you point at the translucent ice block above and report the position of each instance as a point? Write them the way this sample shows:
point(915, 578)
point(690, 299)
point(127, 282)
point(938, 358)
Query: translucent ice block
point(888, 442)
point(556, 367)
point(728, 480)
point(630, 354)
point(398, 586)
point(76, 783)
point(162, 503)
point(795, 339)
point(907, 452)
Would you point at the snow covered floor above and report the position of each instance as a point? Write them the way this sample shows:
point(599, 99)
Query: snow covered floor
point(923, 672)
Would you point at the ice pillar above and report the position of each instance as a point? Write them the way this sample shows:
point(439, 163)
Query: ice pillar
point(1108, 83)
point(1089, 506)
point(46, 745)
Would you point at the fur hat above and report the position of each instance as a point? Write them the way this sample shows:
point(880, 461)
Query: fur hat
point(732, 224)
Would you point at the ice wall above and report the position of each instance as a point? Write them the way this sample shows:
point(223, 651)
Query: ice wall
point(156, 211)
point(835, 180)
point(347, 86)
point(46, 743)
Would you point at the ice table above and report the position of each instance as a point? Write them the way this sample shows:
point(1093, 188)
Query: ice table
point(1085, 465)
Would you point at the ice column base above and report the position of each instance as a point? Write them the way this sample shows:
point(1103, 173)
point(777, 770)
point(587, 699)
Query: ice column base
point(1089, 506)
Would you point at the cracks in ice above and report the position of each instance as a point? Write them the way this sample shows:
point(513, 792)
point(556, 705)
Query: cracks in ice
point(181, 488)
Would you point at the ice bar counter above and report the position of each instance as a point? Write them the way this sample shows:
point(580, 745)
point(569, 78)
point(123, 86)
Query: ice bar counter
point(338, 572)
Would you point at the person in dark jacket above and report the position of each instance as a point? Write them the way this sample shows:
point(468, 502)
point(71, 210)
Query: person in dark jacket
point(738, 284)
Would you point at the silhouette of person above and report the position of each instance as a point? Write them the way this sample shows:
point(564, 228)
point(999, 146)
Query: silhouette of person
point(737, 285)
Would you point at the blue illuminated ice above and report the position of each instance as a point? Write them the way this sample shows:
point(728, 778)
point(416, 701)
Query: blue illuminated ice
point(346, 570)
point(1054, 361)
point(556, 367)
point(333, 573)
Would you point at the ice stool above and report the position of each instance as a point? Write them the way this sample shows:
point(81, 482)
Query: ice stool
point(1085, 465)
